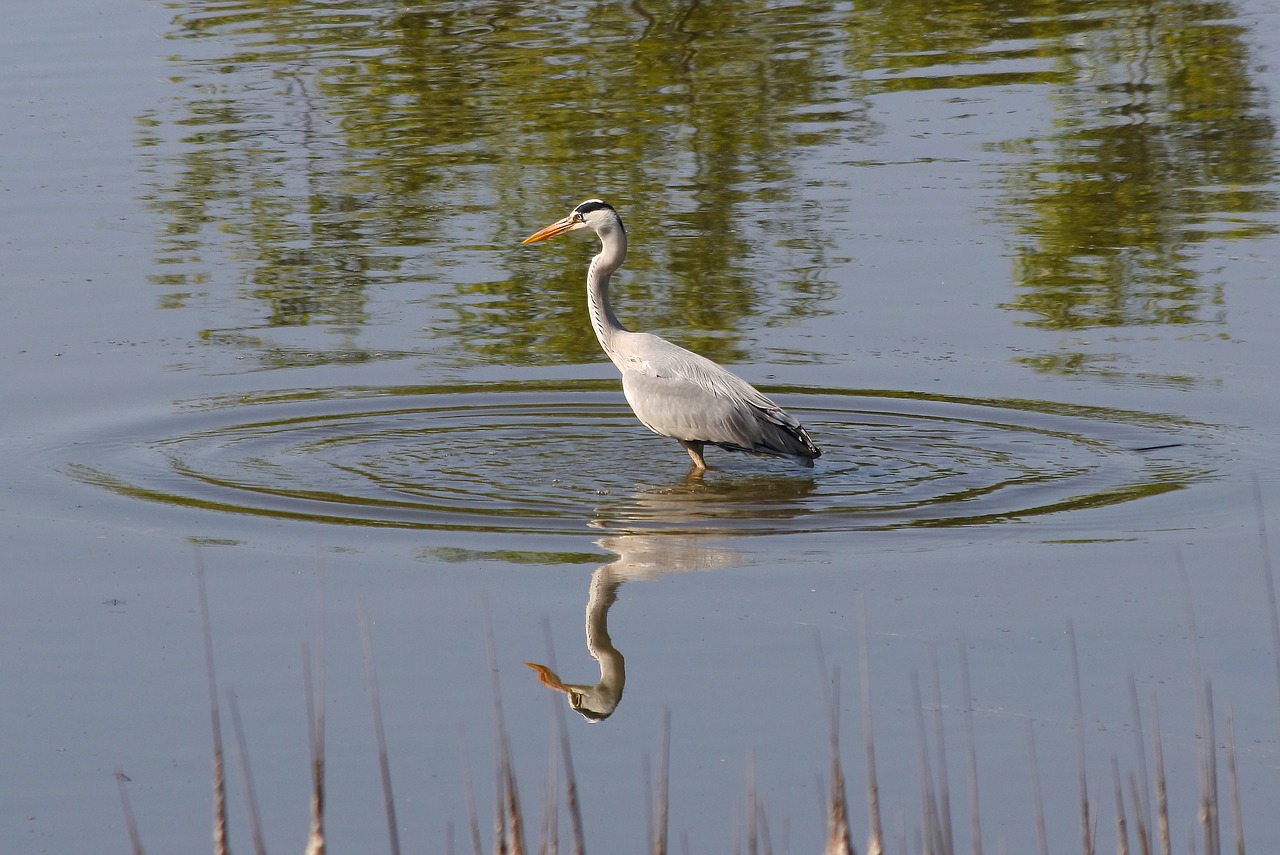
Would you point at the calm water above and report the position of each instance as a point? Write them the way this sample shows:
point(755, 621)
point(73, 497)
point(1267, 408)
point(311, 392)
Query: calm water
point(265, 298)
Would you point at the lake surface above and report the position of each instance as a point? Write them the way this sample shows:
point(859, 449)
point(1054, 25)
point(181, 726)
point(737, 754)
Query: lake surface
point(266, 309)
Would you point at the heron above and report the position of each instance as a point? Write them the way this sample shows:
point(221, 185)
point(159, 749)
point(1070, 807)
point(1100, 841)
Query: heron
point(595, 703)
point(674, 392)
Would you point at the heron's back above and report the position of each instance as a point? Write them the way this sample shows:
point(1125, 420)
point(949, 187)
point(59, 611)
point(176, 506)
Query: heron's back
point(677, 393)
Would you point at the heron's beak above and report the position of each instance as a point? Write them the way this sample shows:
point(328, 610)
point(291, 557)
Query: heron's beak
point(546, 676)
point(559, 227)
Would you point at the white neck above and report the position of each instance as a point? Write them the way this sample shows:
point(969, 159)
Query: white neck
point(613, 251)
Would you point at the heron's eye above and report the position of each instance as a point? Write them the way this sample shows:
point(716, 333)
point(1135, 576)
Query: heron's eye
point(577, 218)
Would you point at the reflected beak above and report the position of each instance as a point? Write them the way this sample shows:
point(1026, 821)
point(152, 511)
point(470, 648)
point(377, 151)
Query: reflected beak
point(546, 676)
point(559, 227)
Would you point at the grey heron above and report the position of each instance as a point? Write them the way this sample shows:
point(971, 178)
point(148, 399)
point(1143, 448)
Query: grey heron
point(675, 392)
point(595, 703)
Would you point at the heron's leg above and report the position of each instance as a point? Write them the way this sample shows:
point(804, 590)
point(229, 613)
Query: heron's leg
point(695, 452)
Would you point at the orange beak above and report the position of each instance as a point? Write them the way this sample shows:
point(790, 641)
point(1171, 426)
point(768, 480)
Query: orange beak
point(559, 227)
point(546, 676)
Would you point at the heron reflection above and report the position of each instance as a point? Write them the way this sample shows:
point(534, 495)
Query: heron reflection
point(710, 505)
point(641, 557)
point(595, 703)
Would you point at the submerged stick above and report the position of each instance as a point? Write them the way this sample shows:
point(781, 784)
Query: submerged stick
point(1269, 578)
point(246, 775)
point(220, 844)
point(1204, 722)
point(315, 736)
point(570, 785)
point(1142, 798)
point(975, 818)
point(572, 803)
point(1233, 776)
point(1086, 827)
point(928, 801)
point(1144, 841)
point(469, 792)
point(766, 843)
point(875, 835)
point(1042, 836)
point(508, 826)
point(1162, 788)
point(315, 721)
point(836, 810)
point(135, 839)
point(1209, 777)
point(1122, 825)
point(549, 838)
point(375, 700)
point(663, 794)
point(940, 736)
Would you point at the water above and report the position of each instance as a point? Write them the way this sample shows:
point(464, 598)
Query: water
point(507, 459)
point(265, 298)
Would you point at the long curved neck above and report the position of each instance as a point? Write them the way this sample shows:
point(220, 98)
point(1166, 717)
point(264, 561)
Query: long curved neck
point(613, 251)
point(613, 668)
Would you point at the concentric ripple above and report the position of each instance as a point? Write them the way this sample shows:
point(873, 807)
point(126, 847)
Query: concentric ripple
point(571, 457)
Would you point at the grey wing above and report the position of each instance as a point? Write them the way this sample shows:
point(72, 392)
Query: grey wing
point(680, 394)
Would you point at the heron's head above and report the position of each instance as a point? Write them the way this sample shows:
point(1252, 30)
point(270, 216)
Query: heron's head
point(592, 214)
point(584, 700)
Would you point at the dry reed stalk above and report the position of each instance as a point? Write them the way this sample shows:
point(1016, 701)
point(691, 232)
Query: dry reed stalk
point(1122, 824)
point(1141, 832)
point(837, 809)
point(934, 837)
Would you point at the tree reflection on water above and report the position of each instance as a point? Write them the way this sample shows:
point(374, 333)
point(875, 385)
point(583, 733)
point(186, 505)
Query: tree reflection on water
point(313, 152)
